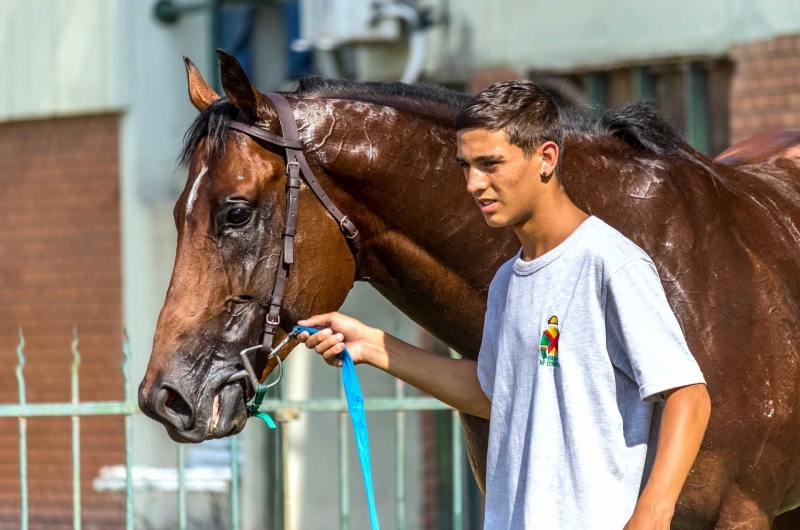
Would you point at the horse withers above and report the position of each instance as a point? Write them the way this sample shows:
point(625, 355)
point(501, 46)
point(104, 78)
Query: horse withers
point(724, 239)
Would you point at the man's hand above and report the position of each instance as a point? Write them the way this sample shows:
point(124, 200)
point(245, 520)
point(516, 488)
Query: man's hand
point(649, 519)
point(454, 382)
point(337, 331)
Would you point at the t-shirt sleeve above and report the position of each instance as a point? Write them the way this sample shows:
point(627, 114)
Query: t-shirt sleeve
point(487, 360)
point(487, 357)
point(642, 325)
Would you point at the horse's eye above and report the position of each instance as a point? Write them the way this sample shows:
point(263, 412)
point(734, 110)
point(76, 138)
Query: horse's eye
point(238, 216)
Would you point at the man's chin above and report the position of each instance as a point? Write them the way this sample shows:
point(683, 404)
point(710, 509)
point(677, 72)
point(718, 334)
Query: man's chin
point(494, 221)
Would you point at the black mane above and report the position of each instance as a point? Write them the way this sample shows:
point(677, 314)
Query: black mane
point(637, 124)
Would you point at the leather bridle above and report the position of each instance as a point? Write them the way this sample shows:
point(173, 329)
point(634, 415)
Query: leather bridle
point(296, 167)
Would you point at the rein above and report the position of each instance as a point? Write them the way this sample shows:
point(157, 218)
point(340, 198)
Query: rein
point(297, 167)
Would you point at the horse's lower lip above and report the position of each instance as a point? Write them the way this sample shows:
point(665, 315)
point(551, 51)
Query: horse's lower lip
point(227, 406)
point(215, 413)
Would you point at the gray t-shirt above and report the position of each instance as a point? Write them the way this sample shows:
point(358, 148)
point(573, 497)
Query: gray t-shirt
point(577, 347)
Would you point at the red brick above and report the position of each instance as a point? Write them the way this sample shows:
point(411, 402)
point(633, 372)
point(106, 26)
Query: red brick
point(765, 89)
point(60, 267)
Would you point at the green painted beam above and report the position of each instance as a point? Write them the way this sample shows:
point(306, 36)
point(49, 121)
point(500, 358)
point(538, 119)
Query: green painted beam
point(695, 105)
point(644, 83)
point(597, 92)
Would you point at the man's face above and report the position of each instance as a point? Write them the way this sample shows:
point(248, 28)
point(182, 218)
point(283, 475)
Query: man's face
point(505, 184)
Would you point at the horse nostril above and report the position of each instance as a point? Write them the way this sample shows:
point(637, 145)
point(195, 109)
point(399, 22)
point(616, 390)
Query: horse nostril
point(178, 405)
point(173, 408)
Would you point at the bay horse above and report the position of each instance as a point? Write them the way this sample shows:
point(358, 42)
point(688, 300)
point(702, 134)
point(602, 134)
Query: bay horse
point(724, 237)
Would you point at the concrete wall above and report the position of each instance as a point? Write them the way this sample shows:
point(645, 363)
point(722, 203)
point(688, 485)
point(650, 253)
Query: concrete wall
point(59, 58)
point(571, 34)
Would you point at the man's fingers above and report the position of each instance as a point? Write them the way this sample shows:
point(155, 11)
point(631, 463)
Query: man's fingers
point(317, 337)
point(331, 343)
point(317, 321)
point(331, 356)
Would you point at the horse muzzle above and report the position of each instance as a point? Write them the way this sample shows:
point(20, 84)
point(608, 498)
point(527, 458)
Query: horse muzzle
point(215, 415)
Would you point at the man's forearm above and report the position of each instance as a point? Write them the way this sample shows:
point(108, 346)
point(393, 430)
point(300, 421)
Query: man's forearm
point(683, 425)
point(452, 381)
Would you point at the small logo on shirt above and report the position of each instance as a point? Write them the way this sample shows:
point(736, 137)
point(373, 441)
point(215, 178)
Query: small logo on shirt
point(548, 346)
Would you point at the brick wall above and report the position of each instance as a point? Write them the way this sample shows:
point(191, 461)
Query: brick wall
point(765, 90)
point(59, 268)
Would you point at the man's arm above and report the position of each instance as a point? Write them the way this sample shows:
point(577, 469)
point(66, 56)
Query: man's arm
point(452, 381)
point(683, 425)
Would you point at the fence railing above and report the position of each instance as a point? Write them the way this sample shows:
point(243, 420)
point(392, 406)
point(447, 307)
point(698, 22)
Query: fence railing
point(285, 410)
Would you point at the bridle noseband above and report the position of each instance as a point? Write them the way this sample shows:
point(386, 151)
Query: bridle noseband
point(296, 167)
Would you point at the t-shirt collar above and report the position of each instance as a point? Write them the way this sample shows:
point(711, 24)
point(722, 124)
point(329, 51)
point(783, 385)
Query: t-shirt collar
point(524, 268)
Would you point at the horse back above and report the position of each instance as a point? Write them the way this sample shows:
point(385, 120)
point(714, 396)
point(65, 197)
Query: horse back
point(781, 144)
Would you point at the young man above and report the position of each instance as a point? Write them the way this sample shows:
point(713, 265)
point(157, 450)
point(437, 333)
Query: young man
point(579, 342)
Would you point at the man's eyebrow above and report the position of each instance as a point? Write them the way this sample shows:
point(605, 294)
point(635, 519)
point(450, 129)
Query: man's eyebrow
point(482, 158)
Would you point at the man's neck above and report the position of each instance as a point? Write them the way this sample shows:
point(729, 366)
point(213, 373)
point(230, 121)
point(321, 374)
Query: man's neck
point(548, 227)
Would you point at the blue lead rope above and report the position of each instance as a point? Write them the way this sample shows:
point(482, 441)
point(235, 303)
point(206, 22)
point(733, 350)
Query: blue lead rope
point(355, 404)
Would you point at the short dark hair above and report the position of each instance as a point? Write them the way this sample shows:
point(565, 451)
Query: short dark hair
point(525, 111)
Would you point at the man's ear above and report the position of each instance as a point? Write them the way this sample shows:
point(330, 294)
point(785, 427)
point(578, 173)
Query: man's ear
point(549, 153)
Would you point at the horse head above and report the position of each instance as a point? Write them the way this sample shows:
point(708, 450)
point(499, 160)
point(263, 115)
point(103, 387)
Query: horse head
point(230, 218)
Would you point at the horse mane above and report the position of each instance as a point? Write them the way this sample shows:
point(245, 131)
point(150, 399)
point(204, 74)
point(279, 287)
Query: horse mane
point(637, 124)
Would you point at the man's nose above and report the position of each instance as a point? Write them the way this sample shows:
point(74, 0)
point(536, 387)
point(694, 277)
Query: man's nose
point(475, 181)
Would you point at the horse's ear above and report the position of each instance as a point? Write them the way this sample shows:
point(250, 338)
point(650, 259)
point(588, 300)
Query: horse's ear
point(200, 94)
point(237, 86)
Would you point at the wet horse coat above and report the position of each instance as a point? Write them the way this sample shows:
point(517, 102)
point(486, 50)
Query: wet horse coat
point(724, 239)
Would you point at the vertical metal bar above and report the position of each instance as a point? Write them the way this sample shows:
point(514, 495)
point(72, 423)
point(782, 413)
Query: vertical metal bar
point(76, 435)
point(285, 457)
point(695, 104)
point(344, 467)
point(23, 437)
point(458, 481)
point(235, 509)
point(181, 487)
point(458, 461)
point(644, 83)
point(126, 380)
point(400, 459)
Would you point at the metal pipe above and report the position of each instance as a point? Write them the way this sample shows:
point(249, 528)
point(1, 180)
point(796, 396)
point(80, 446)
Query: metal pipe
point(181, 487)
point(126, 385)
point(23, 436)
point(235, 509)
point(458, 461)
point(344, 466)
point(400, 459)
point(76, 436)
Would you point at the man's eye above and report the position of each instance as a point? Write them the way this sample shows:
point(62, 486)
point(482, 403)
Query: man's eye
point(238, 216)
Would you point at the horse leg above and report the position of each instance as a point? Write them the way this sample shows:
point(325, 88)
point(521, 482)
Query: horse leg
point(476, 432)
point(787, 521)
point(739, 512)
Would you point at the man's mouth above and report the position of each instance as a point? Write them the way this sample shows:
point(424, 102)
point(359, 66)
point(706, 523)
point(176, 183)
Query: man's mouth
point(487, 205)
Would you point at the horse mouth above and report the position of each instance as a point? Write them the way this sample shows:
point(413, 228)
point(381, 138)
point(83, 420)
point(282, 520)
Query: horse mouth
point(228, 413)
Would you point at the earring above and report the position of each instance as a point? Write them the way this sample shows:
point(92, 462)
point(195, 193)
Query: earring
point(544, 173)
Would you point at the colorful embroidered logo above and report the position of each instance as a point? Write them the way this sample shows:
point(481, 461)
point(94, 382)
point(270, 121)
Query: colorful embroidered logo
point(548, 346)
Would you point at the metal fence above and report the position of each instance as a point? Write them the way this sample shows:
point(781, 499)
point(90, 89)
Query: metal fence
point(283, 409)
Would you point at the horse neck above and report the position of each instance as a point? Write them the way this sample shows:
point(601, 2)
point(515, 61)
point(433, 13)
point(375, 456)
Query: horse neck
point(425, 246)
